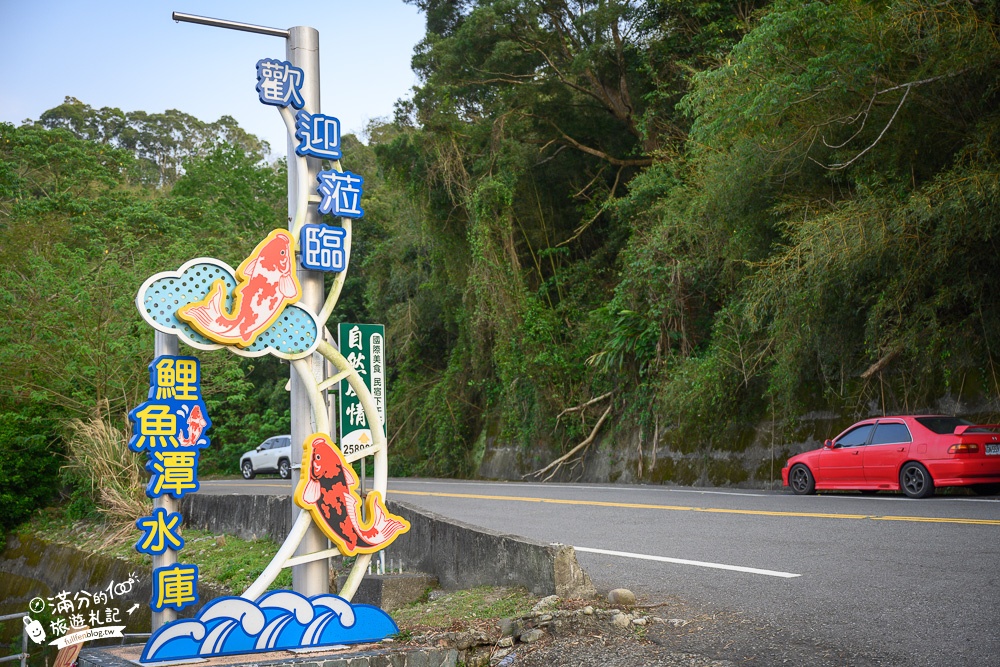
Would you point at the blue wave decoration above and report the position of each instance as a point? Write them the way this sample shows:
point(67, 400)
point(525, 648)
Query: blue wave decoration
point(277, 620)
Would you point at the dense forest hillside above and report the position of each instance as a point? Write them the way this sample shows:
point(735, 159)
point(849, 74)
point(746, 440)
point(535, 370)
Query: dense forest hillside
point(660, 223)
point(710, 214)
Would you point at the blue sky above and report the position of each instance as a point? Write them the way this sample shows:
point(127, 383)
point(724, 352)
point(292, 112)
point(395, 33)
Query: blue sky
point(130, 54)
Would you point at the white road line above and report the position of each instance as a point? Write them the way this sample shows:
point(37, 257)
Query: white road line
point(881, 499)
point(698, 563)
point(666, 489)
point(722, 493)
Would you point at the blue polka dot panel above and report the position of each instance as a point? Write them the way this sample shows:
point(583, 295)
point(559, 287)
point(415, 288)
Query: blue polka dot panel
point(292, 335)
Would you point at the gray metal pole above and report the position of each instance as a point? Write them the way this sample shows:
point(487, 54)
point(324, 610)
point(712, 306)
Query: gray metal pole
point(302, 50)
point(166, 344)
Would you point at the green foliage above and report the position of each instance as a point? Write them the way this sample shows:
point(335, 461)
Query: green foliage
point(248, 404)
point(236, 190)
point(842, 165)
point(79, 234)
point(532, 117)
point(161, 144)
point(462, 607)
point(224, 561)
point(722, 213)
point(30, 452)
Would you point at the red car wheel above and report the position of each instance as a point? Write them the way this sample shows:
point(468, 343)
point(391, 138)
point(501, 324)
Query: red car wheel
point(801, 480)
point(915, 481)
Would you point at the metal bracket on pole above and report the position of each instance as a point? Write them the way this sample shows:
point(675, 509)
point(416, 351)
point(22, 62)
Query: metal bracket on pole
point(231, 25)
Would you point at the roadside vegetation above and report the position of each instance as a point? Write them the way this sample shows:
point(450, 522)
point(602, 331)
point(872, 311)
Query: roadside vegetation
point(449, 611)
point(226, 562)
point(679, 220)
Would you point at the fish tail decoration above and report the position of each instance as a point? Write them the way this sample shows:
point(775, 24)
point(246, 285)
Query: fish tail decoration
point(208, 313)
point(381, 528)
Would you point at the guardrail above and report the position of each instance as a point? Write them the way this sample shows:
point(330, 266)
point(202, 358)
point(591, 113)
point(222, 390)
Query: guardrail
point(23, 655)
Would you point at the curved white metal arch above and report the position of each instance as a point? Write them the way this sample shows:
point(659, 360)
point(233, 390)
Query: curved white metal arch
point(320, 417)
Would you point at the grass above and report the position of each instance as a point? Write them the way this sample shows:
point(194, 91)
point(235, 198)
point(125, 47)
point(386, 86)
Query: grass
point(234, 564)
point(114, 477)
point(458, 608)
point(230, 563)
point(114, 480)
point(99, 457)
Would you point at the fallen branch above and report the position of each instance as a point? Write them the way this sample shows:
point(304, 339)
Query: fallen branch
point(559, 462)
point(582, 406)
point(880, 364)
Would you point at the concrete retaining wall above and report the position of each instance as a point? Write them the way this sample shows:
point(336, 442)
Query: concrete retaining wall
point(462, 556)
point(31, 567)
point(458, 554)
point(246, 517)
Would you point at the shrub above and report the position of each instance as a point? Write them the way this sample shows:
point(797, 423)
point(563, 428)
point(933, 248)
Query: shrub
point(29, 467)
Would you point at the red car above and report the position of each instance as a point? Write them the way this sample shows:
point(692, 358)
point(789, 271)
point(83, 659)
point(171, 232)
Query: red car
point(912, 454)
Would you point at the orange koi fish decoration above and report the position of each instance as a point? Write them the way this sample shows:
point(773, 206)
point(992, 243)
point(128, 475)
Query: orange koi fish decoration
point(329, 491)
point(266, 284)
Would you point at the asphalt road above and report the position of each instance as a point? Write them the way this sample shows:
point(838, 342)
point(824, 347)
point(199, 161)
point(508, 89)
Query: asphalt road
point(871, 580)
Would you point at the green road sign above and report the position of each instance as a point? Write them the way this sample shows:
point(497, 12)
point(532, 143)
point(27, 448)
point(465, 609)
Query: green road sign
point(364, 347)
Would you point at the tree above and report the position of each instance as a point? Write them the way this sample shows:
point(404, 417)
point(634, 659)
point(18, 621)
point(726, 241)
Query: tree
point(161, 143)
point(531, 119)
point(720, 212)
point(77, 238)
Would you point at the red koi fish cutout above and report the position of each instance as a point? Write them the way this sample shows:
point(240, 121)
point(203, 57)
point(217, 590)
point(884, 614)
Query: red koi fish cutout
point(329, 491)
point(196, 423)
point(266, 284)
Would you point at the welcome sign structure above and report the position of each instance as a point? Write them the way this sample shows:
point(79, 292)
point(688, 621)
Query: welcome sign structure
point(255, 310)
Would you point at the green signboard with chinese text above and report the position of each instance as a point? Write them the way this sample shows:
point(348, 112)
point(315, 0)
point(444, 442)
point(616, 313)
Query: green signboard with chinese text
point(363, 345)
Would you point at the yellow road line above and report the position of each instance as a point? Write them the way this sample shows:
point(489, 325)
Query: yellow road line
point(710, 510)
point(929, 519)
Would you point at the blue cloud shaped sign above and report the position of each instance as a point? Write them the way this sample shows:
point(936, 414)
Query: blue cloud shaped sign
point(295, 334)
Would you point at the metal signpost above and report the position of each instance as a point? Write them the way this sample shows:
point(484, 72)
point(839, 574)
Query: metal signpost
point(164, 344)
point(302, 51)
point(274, 303)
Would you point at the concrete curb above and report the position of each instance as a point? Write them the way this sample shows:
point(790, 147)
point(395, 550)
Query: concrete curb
point(127, 656)
point(458, 554)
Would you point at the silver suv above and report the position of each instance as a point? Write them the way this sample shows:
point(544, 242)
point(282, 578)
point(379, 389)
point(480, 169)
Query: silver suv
point(273, 455)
